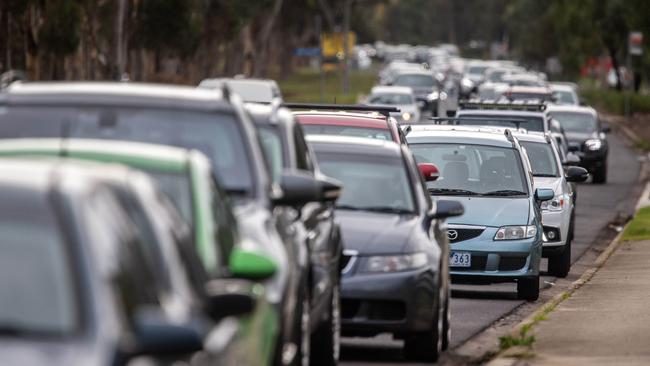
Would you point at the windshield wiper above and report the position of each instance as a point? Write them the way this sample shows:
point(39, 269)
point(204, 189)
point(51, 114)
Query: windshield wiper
point(387, 209)
point(347, 207)
point(452, 192)
point(505, 192)
point(545, 175)
point(12, 330)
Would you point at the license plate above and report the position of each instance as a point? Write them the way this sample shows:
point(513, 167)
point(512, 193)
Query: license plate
point(460, 259)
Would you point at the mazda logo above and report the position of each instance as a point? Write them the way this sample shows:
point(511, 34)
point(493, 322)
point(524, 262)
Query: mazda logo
point(452, 234)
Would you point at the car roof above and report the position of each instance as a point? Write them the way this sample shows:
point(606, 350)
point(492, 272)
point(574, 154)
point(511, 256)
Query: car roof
point(410, 71)
point(563, 87)
point(531, 137)
point(114, 93)
point(136, 154)
point(361, 120)
point(500, 112)
point(391, 89)
point(571, 108)
point(477, 135)
point(529, 89)
point(354, 145)
point(261, 113)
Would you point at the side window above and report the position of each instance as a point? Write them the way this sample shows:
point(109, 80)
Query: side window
point(302, 151)
point(225, 228)
point(273, 151)
point(121, 258)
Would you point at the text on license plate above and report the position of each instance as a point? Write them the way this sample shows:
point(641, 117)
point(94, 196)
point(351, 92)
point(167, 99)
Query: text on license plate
point(460, 259)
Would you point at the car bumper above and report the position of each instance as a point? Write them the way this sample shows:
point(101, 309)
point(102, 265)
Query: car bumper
point(558, 222)
point(593, 161)
point(497, 261)
point(398, 303)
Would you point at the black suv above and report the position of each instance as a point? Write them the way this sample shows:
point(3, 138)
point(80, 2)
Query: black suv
point(211, 121)
point(286, 150)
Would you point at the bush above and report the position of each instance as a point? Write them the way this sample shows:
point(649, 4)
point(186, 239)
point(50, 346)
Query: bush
point(613, 101)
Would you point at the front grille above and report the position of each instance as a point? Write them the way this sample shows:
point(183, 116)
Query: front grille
point(373, 309)
point(462, 234)
point(512, 263)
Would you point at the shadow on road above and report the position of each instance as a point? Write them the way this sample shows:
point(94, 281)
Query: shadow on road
point(492, 295)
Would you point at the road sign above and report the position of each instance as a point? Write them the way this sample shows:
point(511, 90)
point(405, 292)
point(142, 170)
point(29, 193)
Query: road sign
point(307, 52)
point(333, 46)
point(635, 43)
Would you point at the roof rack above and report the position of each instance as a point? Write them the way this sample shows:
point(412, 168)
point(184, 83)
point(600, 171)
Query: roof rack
point(533, 105)
point(385, 111)
point(457, 120)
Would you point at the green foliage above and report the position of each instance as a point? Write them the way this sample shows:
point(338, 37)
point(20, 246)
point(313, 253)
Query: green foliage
point(60, 32)
point(169, 25)
point(639, 227)
point(613, 101)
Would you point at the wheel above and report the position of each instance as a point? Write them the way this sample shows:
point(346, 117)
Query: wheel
point(426, 346)
point(446, 323)
point(326, 340)
point(559, 265)
point(528, 288)
point(600, 174)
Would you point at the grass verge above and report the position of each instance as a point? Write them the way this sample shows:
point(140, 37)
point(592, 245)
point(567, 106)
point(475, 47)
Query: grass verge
point(305, 86)
point(613, 101)
point(639, 227)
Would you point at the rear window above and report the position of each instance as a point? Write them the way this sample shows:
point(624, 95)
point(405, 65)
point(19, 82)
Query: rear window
point(217, 135)
point(373, 133)
point(37, 290)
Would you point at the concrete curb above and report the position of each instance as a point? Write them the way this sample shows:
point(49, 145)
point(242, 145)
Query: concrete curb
point(503, 358)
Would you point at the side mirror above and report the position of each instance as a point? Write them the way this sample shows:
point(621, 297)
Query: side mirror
point(232, 297)
point(448, 208)
point(576, 174)
point(583, 102)
point(574, 147)
point(429, 172)
point(157, 335)
point(250, 265)
point(544, 194)
point(330, 189)
point(297, 189)
point(571, 159)
point(606, 129)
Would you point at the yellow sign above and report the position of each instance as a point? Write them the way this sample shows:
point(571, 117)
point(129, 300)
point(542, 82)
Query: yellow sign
point(333, 46)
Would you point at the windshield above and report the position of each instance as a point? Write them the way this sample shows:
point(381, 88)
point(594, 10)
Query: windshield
point(565, 97)
point(373, 133)
point(217, 135)
point(477, 70)
point(576, 122)
point(273, 152)
point(473, 169)
point(496, 76)
point(390, 99)
point(177, 187)
point(37, 290)
point(529, 123)
point(542, 159)
point(371, 183)
point(415, 80)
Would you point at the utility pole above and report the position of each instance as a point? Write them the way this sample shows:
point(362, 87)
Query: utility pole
point(121, 50)
point(346, 52)
point(319, 32)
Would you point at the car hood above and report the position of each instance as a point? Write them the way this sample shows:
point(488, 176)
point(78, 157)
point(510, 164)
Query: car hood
point(580, 136)
point(372, 233)
point(26, 352)
point(492, 211)
point(553, 183)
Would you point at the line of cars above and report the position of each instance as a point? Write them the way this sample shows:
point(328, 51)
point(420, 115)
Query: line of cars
point(208, 226)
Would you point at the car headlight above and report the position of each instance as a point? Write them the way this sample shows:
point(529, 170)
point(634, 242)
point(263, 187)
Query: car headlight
point(593, 144)
point(406, 116)
point(556, 204)
point(515, 232)
point(394, 263)
point(433, 96)
point(467, 83)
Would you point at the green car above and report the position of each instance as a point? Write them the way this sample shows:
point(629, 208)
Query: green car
point(186, 177)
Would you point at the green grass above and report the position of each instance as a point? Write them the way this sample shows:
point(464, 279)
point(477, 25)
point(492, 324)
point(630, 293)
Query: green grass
point(642, 145)
point(613, 101)
point(305, 86)
point(522, 339)
point(639, 227)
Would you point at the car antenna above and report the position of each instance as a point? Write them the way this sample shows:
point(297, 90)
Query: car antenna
point(225, 91)
point(509, 136)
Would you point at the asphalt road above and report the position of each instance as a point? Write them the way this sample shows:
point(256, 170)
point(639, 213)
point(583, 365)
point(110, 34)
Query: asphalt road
point(474, 308)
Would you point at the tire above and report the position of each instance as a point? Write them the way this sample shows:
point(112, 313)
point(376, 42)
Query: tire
point(446, 324)
point(559, 265)
point(426, 346)
point(600, 174)
point(528, 288)
point(326, 339)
